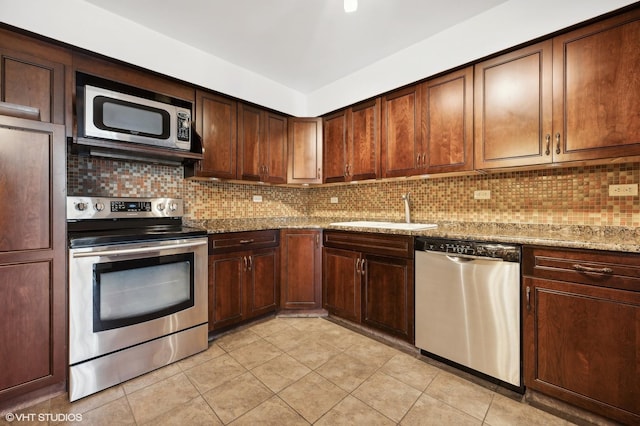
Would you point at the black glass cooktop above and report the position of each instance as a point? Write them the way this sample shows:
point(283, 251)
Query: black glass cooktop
point(99, 237)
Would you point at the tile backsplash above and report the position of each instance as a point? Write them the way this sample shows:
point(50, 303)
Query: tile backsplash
point(573, 196)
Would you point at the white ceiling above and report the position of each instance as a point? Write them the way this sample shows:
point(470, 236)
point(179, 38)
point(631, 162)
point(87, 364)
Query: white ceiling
point(301, 44)
point(300, 57)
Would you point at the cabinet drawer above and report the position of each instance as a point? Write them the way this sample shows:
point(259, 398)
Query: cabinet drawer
point(600, 268)
point(234, 241)
point(385, 245)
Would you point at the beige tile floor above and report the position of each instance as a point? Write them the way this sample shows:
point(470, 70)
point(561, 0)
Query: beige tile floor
point(297, 371)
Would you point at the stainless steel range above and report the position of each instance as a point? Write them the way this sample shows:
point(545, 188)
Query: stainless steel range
point(137, 289)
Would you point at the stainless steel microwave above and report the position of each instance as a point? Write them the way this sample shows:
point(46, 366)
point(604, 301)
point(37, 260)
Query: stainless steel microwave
point(109, 114)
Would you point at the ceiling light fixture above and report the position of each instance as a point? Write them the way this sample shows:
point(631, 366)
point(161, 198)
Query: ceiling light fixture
point(350, 5)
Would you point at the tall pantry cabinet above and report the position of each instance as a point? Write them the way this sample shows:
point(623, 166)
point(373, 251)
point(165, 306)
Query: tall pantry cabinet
point(32, 220)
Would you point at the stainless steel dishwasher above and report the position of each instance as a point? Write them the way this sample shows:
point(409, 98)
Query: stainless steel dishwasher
point(468, 306)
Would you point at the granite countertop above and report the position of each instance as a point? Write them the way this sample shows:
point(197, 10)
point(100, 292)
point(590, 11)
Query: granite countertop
point(613, 238)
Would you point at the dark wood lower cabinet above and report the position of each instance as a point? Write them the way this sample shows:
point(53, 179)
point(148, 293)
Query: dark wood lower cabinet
point(244, 276)
point(301, 269)
point(582, 329)
point(388, 295)
point(368, 279)
point(342, 283)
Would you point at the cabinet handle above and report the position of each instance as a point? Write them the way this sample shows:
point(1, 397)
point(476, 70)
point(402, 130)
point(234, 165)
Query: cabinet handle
point(317, 240)
point(548, 140)
point(318, 174)
point(558, 143)
point(528, 298)
point(245, 262)
point(582, 268)
point(362, 267)
point(358, 266)
point(418, 160)
point(349, 168)
point(266, 170)
point(250, 262)
point(247, 241)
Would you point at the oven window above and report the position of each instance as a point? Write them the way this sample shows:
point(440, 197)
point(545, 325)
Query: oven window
point(134, 291)
point(135, 119)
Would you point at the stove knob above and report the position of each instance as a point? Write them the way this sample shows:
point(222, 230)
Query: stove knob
point(173, 206)
point(99, 206)
point(161, 207)
point(81, 206)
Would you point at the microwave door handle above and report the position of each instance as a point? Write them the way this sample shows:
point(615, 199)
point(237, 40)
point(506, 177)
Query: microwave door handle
point(121, 252)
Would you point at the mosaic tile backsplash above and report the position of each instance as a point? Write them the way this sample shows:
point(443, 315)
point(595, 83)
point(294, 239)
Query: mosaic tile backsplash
point(559, 196)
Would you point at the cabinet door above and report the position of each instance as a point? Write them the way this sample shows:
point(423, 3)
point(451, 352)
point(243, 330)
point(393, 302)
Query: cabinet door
point(363, 135)
point(401, 136)
point(301, 271)
point(250, 166)
point(262, 282)
point(32, 257)
point(33, 74)
point(388, 300)
point(513, 115)
point(335, 160)
point(341, 282)
point(305, 150)
point(275, 150)
point(581, 345)
point(447, 109)
point(216, 125)
point(596, 87)
point(226, 289)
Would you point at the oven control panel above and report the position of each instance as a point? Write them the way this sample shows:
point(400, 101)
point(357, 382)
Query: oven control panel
point(82, 208)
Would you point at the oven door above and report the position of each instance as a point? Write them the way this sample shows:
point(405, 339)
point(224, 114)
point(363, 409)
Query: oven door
point(124, 295)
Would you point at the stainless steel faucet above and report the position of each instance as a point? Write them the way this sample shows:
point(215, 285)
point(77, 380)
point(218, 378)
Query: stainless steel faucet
point(407, 210)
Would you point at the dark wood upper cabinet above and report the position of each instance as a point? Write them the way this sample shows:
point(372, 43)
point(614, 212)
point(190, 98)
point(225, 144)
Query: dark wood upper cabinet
point(216, 118)
point(570, 98)
point(34, 74)
point(351, 141)
point(262, 145)
point(305, 151)
point(32, 259)
point(513, 108)
point(447, 109)
point(400, 132)
point(335, 161)
point(363, 134)
point(596, 90)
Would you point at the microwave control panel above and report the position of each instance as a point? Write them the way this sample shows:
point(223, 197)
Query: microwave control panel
point(184, 126)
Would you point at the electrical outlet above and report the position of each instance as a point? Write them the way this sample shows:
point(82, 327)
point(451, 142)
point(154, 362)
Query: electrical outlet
point(334, 200)
point(257, 198)
point(629, 190)
point(484, 194)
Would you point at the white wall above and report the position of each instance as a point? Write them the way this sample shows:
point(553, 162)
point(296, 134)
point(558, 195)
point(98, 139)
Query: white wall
point(84, 25)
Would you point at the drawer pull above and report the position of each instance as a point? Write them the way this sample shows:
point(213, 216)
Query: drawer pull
point(247, 241)
point(528, 299)
point(582, 268)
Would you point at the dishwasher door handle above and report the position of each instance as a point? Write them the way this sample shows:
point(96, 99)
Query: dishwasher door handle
point(461, 258)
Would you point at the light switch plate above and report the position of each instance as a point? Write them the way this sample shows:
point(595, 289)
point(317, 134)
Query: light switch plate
point(483, 194)
point(628, 190)
point(334, 200)
point(257, 198)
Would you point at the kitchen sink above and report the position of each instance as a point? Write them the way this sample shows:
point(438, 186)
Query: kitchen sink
point(386, 225)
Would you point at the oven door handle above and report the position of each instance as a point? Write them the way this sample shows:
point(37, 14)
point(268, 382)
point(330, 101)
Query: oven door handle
point(122, 252)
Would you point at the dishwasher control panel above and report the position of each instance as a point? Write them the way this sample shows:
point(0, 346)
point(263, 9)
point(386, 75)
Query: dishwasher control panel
point(507, 252)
